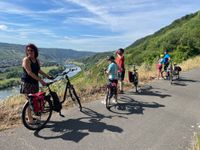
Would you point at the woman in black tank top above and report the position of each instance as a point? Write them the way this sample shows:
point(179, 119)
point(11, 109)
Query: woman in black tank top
point(31, 70)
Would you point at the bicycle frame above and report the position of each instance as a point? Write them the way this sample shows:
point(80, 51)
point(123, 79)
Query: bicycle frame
point(133, 78)
point(68, 87)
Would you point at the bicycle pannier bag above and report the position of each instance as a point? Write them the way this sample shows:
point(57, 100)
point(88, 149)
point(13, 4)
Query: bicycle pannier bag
point(36, 101)
point(130, 78)
point(57, 106)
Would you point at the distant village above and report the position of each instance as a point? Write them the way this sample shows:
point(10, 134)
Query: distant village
point(5, 63)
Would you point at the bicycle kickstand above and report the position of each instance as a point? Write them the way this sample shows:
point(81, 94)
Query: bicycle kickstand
point(61, 114)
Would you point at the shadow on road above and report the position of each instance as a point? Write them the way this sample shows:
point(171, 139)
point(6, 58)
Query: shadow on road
point(127, 105)
point(76, 129)
point(150, 91)
point(183, 81)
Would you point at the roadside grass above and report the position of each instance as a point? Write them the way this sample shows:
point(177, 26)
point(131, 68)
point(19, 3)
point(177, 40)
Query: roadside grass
point(90, 86)
point(196, 142)
point(190, 63)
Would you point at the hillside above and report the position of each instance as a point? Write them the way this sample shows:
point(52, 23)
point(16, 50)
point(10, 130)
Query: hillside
point(13, 53)
point(181, 38)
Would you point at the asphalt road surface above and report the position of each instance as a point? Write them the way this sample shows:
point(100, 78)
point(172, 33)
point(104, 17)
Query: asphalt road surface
point(160, 117)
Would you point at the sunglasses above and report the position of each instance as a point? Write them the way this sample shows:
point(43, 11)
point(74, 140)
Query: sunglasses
point(30, 50)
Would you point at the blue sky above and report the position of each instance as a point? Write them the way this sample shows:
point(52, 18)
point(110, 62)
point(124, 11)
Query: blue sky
point(90, 25)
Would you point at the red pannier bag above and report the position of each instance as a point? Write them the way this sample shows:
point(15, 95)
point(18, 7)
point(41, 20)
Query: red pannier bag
point(37, 101)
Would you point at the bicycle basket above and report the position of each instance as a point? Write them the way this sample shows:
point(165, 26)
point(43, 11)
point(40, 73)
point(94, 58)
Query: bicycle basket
point(57, 106)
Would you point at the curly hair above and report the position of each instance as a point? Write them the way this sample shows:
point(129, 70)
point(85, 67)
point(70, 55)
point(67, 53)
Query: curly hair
point(33, 47)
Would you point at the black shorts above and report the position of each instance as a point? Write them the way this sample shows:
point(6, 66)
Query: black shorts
point(121, 76)
point(166, 66)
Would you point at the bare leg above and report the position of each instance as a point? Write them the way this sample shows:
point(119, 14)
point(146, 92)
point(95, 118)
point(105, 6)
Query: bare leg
point(30, 118)
point(121, 85)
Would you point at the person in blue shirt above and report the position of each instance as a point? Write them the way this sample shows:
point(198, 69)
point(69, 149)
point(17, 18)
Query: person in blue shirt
point(166, 60)
point(112, 73)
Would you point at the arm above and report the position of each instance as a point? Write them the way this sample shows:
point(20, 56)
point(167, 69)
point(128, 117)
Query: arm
point(43, 73)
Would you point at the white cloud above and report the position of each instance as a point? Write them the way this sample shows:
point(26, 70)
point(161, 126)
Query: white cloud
point(3, 27)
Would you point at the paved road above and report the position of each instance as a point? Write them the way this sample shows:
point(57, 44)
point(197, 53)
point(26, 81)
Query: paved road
point(160, 117)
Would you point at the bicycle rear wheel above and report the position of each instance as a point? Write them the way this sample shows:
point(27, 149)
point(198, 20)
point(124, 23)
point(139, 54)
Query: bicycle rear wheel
point(40, 119)
point(135, 82)
point(108, 99)
point(75, 97)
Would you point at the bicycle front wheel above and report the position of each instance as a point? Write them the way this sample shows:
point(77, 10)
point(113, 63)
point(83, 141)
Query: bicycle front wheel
point(75, 97)
point(40, 118)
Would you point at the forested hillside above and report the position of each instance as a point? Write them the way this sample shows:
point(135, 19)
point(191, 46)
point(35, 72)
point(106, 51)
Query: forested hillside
point(181, 38)
point(13, 53)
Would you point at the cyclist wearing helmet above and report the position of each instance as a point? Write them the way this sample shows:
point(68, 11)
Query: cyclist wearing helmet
point(121, 67)
point(112, 74)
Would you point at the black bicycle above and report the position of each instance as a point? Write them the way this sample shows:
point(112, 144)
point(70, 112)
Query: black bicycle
point(111, 92)
point(133, 78)
point(171, 73)
point(40, 105)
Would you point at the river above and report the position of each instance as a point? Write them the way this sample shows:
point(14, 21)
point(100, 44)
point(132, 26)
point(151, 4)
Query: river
point(6, 93)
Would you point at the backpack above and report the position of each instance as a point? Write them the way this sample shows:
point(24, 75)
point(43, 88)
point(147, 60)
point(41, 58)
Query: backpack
point(57, 106)
point(178, 68)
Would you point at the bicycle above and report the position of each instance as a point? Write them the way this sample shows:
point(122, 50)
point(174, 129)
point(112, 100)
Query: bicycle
point(40, 105)
point(133, 78)
point(171, 73)
point(111, 92)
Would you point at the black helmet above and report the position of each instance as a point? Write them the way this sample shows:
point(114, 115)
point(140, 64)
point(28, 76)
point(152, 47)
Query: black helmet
point(121, 50)
point(111, 58)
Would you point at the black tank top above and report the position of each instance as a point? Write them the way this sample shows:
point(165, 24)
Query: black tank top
point(35, 69)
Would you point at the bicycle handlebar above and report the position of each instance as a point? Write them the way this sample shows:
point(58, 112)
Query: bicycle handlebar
point(62, 76)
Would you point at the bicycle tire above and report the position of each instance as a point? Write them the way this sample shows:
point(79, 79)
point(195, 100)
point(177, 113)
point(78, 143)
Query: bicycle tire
point(136, 83)
point(108, 99)
point(75, 97)
point(40, 123)
point(136, 87)
point(171, 74)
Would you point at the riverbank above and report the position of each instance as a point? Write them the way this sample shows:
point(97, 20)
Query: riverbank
point(10, 86)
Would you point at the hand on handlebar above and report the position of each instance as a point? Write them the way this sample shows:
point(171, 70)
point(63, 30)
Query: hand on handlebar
point(50, 77)
point(43, 83)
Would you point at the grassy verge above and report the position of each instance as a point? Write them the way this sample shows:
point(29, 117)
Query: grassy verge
point(196, 142)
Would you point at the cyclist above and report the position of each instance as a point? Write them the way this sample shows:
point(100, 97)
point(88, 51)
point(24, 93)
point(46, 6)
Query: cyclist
point(121, 68)
point(166, 60)
point(112, 75)
point(30, 79)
